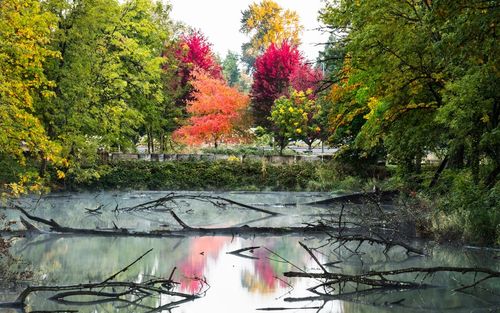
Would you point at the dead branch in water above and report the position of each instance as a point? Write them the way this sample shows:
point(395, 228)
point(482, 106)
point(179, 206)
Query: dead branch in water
point(56, 228)
point(169, 201)
point(313, 256)
point(378, 278)
point(109, 290)
point(389, 243)
point(353, 234)
point(359, 198)
point(239, 253)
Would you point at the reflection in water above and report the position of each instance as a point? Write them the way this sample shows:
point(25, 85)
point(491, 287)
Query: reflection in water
point(235, 284)
point(193, 268)
point(264, 278)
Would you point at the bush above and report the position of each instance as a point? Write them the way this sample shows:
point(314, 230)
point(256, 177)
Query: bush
point(214, 175)
point(469, 210)
point(246, 150)
point(197, 175)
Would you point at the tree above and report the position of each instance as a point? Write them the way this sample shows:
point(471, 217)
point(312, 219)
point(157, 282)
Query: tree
point(109, 78)
point(279, 68)
point(267, 23)
point(217, 112)
point(24, 34)
point(271, 79)
point(304, 77)
point(195, 52)
point(230, 69)
point(296, 117)
point(427, 70)
point(191, 51)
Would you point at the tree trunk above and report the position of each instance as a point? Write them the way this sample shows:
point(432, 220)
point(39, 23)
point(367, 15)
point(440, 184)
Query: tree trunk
point(474, 159)
point(440, 169)
point(148, 134)
point(152, 140)
point(457, 156)
point(282, 144)
point(43, 165)
point(162, 141)
point(418, 162)
point(309, 144)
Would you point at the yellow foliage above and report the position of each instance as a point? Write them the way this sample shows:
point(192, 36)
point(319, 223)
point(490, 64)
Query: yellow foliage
point(372, 105)
point(233, 158)
point(268, 23)
point(60, 174)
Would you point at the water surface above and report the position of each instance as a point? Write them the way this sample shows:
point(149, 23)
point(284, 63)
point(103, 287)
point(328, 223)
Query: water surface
point(229, 283)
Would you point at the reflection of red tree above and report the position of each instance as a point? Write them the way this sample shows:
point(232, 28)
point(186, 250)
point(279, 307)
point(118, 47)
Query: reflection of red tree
point(264, 279)
point(194, 265)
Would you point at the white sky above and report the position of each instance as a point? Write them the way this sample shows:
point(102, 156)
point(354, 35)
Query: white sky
point(219, 20)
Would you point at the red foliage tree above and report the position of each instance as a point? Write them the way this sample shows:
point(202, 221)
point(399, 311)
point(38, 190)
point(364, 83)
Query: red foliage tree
point(194, 51)
point(305, 77)
point(217, 112)
point(272, 78)
point(278, 69)
point(190, 52)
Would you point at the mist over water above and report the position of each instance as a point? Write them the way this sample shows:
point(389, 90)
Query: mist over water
point(227, 282)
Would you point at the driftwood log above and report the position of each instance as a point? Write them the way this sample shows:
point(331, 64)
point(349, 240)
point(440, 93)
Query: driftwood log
point(354, 234)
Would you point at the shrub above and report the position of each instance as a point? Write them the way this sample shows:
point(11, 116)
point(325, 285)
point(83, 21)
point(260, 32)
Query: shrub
point(470, 210)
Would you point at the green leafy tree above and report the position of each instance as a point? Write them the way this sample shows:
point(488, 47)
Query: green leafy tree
point(411, 56)
point(230, 69)
point(109, 82)
point(296, 117)
point(25, 35)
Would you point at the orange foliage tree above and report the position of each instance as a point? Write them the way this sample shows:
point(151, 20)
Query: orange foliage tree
point(218, 113)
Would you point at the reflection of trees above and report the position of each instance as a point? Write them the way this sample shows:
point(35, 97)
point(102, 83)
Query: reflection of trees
point(72, 260)
point(267, 268)
point(193, 267)
point(263, 279)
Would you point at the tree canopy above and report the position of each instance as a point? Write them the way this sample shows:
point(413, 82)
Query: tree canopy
point(267, 23)
point(420, 79)
point(217, 113)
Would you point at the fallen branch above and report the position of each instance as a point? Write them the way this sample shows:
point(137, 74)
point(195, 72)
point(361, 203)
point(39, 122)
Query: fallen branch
point(355, 234)
point(171, 197)
point(56, 228)
point(126, 267)
point(359, 198)
point(239, 253)
point(388, 243)
point(369, 278)
point(428, 270)
point(313, 256)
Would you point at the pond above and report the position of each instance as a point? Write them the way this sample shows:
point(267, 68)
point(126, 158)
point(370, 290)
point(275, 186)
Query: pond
point(250, 282)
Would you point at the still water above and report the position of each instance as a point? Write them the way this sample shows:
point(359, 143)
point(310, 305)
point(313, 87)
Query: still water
point(226, 282)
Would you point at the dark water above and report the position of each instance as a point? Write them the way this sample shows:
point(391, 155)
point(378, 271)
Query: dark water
point(229, 283)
